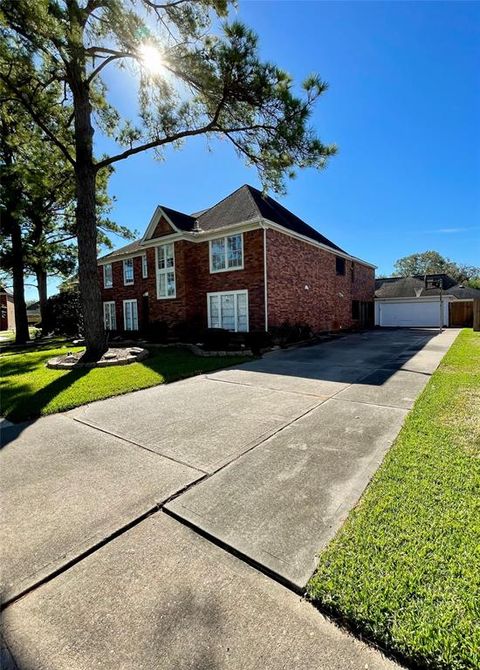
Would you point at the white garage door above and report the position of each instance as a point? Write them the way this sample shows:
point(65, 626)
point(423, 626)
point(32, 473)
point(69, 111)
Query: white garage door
point(409, 314)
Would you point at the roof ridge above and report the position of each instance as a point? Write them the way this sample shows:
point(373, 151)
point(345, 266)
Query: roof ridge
point(250, 195)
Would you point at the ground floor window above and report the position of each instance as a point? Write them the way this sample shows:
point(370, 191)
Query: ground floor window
point(228, 310)
point(130, 315)
point(109, 316)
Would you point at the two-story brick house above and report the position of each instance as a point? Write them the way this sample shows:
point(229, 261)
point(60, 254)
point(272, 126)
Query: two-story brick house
point(246, 263)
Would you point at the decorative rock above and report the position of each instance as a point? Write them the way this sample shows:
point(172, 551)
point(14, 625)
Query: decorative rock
point(114, 356)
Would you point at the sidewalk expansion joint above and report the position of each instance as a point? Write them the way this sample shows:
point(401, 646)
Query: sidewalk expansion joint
point(137, 444)
point(240, 555)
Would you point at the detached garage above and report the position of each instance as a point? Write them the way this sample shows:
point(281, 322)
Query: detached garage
point(423, 301)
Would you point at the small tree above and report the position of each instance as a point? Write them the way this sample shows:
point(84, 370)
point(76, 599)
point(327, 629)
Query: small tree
point(190, 83)
point(63, 314)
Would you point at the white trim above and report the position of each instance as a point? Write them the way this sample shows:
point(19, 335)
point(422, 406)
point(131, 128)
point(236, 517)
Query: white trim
point(154, 221)
point(422, 298)
point(111, 276)
point(308, 240)
point(110, 302)
point(244, 226)
point(225, 269)
point(130, 300)
point(220, 293)
point(128, 283)
point(265, 278)
point(165, 272)
point(144, 262)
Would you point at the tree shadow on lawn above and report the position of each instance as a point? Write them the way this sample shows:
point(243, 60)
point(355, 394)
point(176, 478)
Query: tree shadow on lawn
point(32, 404)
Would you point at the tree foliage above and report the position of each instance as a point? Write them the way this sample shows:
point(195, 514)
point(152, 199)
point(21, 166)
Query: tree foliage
point(63, 314)
point(431, 262)
point(37, 195)
point(194, 77)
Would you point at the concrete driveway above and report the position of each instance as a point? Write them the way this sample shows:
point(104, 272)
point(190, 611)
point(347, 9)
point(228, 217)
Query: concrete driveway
point(109, 511)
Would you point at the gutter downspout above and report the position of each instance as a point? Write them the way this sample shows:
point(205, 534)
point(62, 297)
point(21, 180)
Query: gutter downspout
point(265, 276)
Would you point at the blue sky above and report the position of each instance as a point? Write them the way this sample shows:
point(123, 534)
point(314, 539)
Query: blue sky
point(403, 107)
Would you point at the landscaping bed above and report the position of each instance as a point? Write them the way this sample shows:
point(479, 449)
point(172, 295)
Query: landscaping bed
point(405, 569)
point(29, 389)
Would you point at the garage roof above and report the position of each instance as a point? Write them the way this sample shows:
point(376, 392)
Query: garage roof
point(417, 286)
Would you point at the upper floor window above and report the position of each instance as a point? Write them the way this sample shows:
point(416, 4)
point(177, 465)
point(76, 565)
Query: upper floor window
point(107, 276)
point(128, 271)
point(144, 266)
point(226, 253)
point(166, 284)
point(352, 271)
point(340, 265)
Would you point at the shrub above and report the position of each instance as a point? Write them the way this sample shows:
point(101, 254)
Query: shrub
point(257, 340)
point(189, 330)
point(63, 314)
point(288, 333)
point(216, 339)
point(157, 331)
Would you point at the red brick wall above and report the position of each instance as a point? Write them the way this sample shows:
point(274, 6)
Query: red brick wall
point(326, 304)
point(119, 292)
point(201, 281)
point(193, 282)
point(292, 265)
point(7, 312)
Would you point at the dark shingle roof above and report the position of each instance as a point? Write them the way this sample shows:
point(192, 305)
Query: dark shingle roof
point(247, 204)
point(127, 249)
point(416, 286)
point(179, 219)
point(243, 205)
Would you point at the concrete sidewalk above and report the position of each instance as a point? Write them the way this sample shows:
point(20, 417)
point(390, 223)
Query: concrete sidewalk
point(266, 458)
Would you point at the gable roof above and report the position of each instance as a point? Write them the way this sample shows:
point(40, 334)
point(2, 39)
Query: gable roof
point(246, 204)
point(416, 286)
point(179, 219)
point(126, 249)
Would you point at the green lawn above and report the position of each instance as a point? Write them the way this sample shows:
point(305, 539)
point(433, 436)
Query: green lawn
point(29, 389)
point(8, 336)
point(405, 568)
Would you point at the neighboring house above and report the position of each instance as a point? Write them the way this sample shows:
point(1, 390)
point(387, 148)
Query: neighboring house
point(246, 263)
point(33, 313)
point(419, 300)
point(7, 310)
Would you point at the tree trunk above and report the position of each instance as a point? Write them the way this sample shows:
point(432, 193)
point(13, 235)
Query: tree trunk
point(21, 321)
point(86, 219)
point(42, 292)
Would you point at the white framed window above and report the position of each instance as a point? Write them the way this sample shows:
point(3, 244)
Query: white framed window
point(226, 253)
point(107, 276)
point(130, 315)
point(109, 315)
point(128, 277)
point(165, 264)
point(144, 266)
point(228, 310)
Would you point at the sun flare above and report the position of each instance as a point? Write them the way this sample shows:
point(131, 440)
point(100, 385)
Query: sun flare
point(151, 58)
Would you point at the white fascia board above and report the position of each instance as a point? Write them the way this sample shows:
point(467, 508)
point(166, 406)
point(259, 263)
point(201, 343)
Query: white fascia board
point(319, 245)
point(157, 215)
point(182, 235)
point(423, 298)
